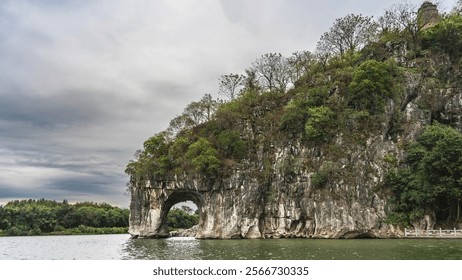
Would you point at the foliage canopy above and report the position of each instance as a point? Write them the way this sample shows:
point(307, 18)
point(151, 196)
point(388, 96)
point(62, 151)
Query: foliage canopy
point(432, 182)
point(33, 217)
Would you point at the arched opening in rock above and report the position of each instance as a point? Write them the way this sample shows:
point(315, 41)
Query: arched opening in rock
point(182, 213)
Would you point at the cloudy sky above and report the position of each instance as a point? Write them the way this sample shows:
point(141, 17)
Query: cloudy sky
point(84, 82)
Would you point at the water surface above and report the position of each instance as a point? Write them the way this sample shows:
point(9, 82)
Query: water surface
point(114, 247)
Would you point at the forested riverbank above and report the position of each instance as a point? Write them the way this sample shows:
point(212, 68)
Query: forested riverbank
point(47, 217)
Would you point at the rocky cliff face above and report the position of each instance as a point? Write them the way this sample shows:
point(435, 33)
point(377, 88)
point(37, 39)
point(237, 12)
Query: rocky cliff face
point(349, 201)
point(291, 189)
point(237, 208)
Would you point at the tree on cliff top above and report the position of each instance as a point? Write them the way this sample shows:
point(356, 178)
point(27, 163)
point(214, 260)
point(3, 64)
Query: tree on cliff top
point(406, 19)
point(273, 71)
point(231, 85)
point(457, 9)
point(349, 33)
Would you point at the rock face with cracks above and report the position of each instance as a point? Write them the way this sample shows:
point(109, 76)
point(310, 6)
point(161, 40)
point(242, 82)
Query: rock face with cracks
point(304, 193)
point(236, 208)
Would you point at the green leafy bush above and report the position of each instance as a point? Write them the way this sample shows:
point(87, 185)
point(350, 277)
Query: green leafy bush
point(433, 179)
point(203, 157)
point(320, 124)
point(321, 178)
point(372, 84)
point(231, 145)
point(446, 36)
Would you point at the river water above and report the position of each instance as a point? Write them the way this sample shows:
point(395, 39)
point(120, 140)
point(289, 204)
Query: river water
point(121, 247)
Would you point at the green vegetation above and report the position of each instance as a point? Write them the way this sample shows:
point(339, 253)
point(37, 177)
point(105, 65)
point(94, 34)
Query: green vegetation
point(431, 181)
point(325, 173)
point(319, 124)
point(354, 87)
point(445, 37)
point(203, 157)
point(183, 218)
point(36, 217)
point(373, 84)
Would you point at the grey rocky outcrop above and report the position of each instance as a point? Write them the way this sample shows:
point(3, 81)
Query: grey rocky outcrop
point(285, 202)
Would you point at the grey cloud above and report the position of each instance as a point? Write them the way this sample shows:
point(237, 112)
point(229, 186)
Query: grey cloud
point(83, 185)
point(11, 192)
point(48, 111)
point(69, 189)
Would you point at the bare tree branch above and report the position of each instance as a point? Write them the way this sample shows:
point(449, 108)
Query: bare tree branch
point(231, 85)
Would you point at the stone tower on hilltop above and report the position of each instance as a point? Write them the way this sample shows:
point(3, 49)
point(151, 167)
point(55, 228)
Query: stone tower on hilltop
point(428, 15)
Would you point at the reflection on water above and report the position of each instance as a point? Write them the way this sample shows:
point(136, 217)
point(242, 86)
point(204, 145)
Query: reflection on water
point(293, 249)
point(162, 249)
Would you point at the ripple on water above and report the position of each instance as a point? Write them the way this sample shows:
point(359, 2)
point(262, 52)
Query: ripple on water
point(107, 247)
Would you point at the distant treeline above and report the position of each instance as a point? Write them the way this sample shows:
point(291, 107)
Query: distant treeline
point(36, 217)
